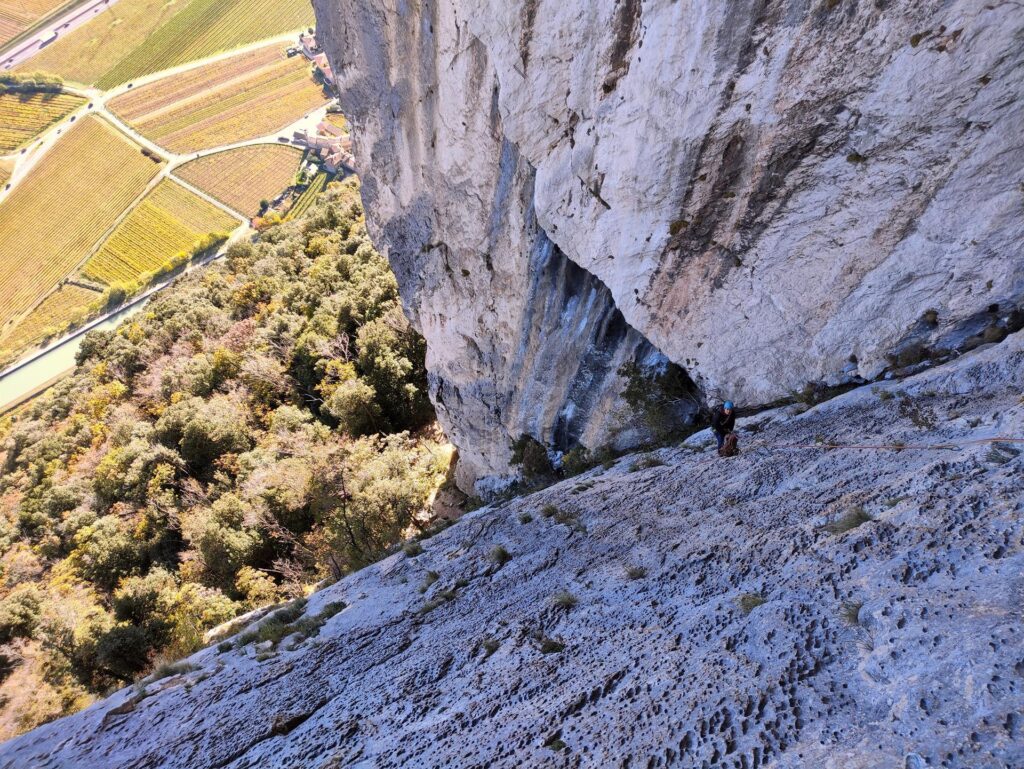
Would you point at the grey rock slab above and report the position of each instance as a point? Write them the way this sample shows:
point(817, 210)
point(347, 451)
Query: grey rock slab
point(763, 629)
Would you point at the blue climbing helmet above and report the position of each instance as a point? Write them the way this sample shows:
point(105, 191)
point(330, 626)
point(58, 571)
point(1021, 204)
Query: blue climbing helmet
point(727, 405)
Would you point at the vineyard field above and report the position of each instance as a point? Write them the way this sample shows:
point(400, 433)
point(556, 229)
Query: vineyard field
point(25, 116)
point(6, 169)
point(18, 15)
point(68, 304)
point(241, 178)
point(171, 92)
point(85, 54)
point(307, 198)
point(169, 220)
point(79, 189)
point(223, 103)
point(206, 27)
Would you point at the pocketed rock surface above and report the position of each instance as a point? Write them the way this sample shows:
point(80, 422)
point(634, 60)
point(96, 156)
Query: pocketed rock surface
point(722, 618)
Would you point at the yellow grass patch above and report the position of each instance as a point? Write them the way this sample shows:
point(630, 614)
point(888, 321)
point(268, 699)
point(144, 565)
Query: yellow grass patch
point(68, 304)
point(24, 116)
point(168, 221)
point(240, 98)
point(243, 177)
point(338, 119)
point(49, 223)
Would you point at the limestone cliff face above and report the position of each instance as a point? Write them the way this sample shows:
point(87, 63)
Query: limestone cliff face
point(765, 192)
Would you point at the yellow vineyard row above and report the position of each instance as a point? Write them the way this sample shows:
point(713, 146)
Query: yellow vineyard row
point(169, 221)
point(24, 116)
point(242, 107)
point(243, 177)
point(78, 190)
point(67, 305)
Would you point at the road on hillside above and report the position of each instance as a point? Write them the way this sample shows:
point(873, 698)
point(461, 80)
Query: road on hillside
point(25, 49)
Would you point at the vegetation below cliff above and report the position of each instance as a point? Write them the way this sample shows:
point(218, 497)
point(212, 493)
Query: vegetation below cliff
point(258, 428)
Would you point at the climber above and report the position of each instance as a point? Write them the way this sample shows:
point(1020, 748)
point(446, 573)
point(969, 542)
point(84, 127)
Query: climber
point(723, 420)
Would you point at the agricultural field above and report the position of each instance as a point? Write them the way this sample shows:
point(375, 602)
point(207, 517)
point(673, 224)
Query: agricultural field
point(68, 304)
point(18, 15)
point(241, 178)
point(308, 197)
point(206, 27)
point(78, 190)
point(85, 54)
point(6, 169)
point(24, 116)
point(243, 97)
point(169, 220)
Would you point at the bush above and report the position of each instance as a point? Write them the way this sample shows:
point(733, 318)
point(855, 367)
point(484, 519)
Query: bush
point(564, 600)
point(412, 549)
point(19, 612)
point(750, 601)
point(499, 555)
point(576, 461)
point(168, 669)
point(533, 458)
point(123, 651)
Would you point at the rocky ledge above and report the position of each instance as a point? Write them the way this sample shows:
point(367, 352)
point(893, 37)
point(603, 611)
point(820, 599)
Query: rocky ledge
point(791, 607)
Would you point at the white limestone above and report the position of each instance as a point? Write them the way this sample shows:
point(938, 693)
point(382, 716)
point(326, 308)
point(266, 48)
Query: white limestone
point(765, 189)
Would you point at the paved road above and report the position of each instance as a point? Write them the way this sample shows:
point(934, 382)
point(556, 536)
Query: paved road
point(22, 50)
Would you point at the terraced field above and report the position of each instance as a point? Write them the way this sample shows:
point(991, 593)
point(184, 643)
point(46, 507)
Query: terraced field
point(25, 116)
point(18, 15)
point(78, 190)
point(85, 54)
point(206, 27)
point(240, 98)
point(68, 304)
point(241, 178)
point(169, 220)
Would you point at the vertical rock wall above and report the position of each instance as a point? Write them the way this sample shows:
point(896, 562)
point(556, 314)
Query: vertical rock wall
point(767, 192)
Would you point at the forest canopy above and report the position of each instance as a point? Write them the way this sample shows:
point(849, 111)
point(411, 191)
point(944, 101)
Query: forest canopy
point(258, 427)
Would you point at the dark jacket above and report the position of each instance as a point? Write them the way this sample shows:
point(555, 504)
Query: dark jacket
point(722, 422)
